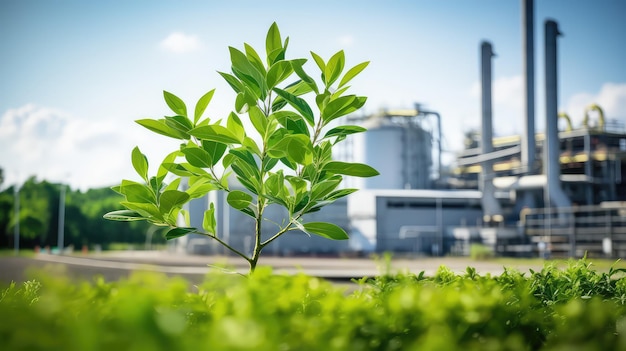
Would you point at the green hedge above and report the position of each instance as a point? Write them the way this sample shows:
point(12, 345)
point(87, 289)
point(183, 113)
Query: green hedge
point(575, 308)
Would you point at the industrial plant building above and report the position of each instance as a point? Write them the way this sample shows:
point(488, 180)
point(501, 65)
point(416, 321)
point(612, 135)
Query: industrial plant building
point(561, 192)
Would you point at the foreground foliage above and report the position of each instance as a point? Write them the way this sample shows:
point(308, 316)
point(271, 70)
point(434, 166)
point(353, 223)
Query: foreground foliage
point(575, 308)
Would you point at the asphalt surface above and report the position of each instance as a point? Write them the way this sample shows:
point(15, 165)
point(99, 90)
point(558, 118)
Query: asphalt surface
point(116, 265)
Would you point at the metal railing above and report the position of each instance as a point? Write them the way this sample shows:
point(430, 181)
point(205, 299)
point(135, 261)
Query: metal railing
point(595, 231)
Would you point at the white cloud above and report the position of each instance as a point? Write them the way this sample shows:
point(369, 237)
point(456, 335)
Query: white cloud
point(58, 147)
point(179, 42)
point(611, 98)
point(346, 40)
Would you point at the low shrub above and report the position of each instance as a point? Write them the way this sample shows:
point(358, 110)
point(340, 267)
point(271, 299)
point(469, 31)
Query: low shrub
point(575, 308)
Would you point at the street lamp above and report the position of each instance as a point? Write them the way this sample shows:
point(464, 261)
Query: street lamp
point(16, 213)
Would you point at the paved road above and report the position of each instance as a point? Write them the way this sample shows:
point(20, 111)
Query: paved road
point(115, 265)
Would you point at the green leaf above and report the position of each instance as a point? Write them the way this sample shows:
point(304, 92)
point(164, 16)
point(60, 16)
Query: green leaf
point(278, 72)
point(344, 130)
point(214, 149)
point(234, 125)
point(171, 199)
point(297, 147)
point(162, 171)
point(352, 72)
point(201, 105)
point(298, 103)
point(148, 211)
point(239, 200)
point(232, 81)
point(319, 61)
point(342, 106)
point(321, 189)
point(124, 216)
point(350, 169)
point(208, 222)
point(177, 169)
point(140, 163)
point(247, 157)
point(160, 127)
point(254, 58)
point(215, 133)
point(137, 192)
point(305, 79)
point(200, 189)
point(292, 121)
point(244, 70)
point(198, 157)
point(258, 119)
point(334, 67)
point(326, 230)
point(175, 103)
point(273, 44)
point(178, 232)
point(339, 194)
point(180, 123)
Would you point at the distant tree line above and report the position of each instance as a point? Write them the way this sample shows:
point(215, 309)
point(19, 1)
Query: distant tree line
point(84, 225)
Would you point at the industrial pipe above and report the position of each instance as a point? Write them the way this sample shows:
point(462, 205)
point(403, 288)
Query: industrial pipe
point(491, 206)
point(554, 194)
point(594, 107)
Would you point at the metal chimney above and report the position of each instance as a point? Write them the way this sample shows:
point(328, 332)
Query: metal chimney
point(554, 195)
point(528, 139)
point(490, 205)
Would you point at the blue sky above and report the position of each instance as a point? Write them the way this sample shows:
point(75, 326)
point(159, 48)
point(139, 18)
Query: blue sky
point(74, 75)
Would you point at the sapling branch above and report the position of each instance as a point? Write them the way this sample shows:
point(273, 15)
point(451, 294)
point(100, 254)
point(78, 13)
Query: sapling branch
point(290, 131)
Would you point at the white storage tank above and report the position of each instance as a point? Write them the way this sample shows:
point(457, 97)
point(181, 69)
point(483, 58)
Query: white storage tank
point(399, 149)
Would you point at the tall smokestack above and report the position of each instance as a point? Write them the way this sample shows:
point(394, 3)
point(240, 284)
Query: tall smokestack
point(528, 139)
point(490, 205)
point(554, 194)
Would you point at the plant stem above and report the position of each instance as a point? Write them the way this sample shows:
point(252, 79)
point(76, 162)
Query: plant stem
point(227, 246)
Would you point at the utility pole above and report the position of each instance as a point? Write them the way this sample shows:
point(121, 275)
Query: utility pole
point(16, 227)
point(60, 244)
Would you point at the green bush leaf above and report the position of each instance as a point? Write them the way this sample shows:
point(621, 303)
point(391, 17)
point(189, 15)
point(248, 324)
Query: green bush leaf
point(178, 232)
point(326, 230)
point(175, 103)
point(140, 163)
point(350, 169)
point(201, 105)
point(238, 199)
